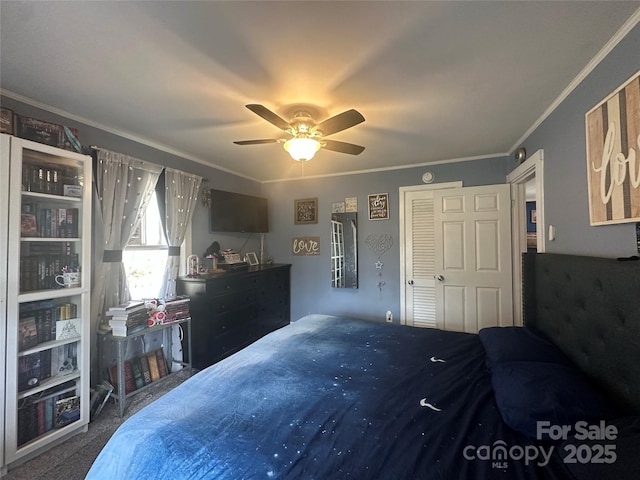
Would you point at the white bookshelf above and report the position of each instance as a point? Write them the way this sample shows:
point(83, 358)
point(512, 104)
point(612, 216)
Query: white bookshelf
point(37, 175)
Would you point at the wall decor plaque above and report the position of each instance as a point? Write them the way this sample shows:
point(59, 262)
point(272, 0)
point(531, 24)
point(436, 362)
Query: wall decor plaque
point(379, 206)
point(305, 246)
point(305, 211)
point(613, 156)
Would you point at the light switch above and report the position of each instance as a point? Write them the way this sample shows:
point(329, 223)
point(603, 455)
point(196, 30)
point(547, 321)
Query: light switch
point(552, 233)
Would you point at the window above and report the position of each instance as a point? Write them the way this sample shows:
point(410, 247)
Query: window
point(145, 256)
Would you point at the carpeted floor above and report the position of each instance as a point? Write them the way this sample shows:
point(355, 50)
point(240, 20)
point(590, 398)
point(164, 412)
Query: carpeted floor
point(72, 459)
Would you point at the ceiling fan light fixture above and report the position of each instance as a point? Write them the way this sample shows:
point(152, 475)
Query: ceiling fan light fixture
point(302, 149)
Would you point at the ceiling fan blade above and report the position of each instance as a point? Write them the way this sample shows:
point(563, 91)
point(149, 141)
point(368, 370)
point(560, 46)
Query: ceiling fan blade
point(268, 115)
point(340, 122)
point(343, 147)
point(256, 142)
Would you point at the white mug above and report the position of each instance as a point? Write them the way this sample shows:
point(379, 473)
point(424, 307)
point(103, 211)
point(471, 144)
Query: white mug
point(68, 279)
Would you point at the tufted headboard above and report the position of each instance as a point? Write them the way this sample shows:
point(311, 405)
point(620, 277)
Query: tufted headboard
point(590, 308)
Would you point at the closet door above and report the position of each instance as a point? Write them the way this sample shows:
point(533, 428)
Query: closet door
point(420, 259)
point(457, 258)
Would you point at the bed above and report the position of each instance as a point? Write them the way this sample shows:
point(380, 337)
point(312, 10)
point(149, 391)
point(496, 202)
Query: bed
point(330, 397)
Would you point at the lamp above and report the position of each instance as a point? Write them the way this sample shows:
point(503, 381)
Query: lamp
point(302, 148)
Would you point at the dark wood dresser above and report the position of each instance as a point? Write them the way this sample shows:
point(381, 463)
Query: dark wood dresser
point(233, 309)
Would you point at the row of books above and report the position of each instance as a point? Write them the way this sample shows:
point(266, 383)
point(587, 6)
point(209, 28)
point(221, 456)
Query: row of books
point(38, 323)
point(38, 272)
point(127, 318)
point(30, 249)
point(49, 179)
point(176, 308)
point(140, 371)
point(134, 316)
point(50, 223)
point(55, 408)
point(39, 366)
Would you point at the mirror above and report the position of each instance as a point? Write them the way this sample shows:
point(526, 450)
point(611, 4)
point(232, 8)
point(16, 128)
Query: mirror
point(344, 250)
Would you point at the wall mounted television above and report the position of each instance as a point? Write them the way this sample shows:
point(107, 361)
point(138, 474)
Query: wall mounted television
point(237, 212)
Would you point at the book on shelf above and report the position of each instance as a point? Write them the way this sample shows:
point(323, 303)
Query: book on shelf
point(153, 366)
point(129, 383)
point(146, 373)
point(123, 331)
point(45, 324)
point(67, 411)
point(136, 368)
point(27, 422)
point(162, 363)
point(28, 225)
point(133, 321)
point(27, 333)
point(135, 317)
point(126, 307)
point(176, 300)
point(33, 368)
point(176, 308)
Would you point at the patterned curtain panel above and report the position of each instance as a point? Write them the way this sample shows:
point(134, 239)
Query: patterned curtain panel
point(177, 193)
point(124, 186)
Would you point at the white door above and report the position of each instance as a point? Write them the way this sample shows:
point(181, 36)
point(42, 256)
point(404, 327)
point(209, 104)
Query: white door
point(458, 258)
point(419, 300)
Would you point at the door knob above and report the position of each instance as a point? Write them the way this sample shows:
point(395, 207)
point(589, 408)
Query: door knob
point(410, 282)
point(440, 278)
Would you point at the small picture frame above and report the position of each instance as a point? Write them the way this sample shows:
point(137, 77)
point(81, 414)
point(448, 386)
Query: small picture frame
point(534, 216)
point(251, 258)
point(379, 206)
point(305, 211)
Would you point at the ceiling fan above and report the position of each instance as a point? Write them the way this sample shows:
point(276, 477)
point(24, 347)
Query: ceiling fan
point(307, 136)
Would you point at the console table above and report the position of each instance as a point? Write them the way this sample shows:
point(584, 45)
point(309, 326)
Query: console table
point(106, 336)
point(230, 310)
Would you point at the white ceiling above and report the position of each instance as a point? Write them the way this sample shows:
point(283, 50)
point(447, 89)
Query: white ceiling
point(436, 81)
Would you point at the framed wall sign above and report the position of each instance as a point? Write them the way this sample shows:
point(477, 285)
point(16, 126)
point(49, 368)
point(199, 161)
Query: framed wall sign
point(305, 211)
point(351, 204)
point(379, 206)
point(613, 156)
point(337, 207)
point(305, 246)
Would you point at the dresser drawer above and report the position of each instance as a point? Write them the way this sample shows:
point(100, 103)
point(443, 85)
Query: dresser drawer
point(240, 319)
point(232, 301)
point(230, 283)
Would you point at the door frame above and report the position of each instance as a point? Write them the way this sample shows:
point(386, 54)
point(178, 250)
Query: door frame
point(402, 191)
point(531, 168)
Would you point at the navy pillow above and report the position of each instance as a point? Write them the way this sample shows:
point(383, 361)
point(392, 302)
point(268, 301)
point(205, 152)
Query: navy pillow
point(528, 392)
point(513, 344)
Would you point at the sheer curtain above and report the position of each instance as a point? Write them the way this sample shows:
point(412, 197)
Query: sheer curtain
point(124, 186)
point(177, 194)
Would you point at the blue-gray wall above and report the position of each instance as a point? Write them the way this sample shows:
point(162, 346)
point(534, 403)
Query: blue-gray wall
point(311, 290)
point(563, 138)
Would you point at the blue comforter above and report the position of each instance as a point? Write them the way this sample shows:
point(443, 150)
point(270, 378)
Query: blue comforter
point(325, 398)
